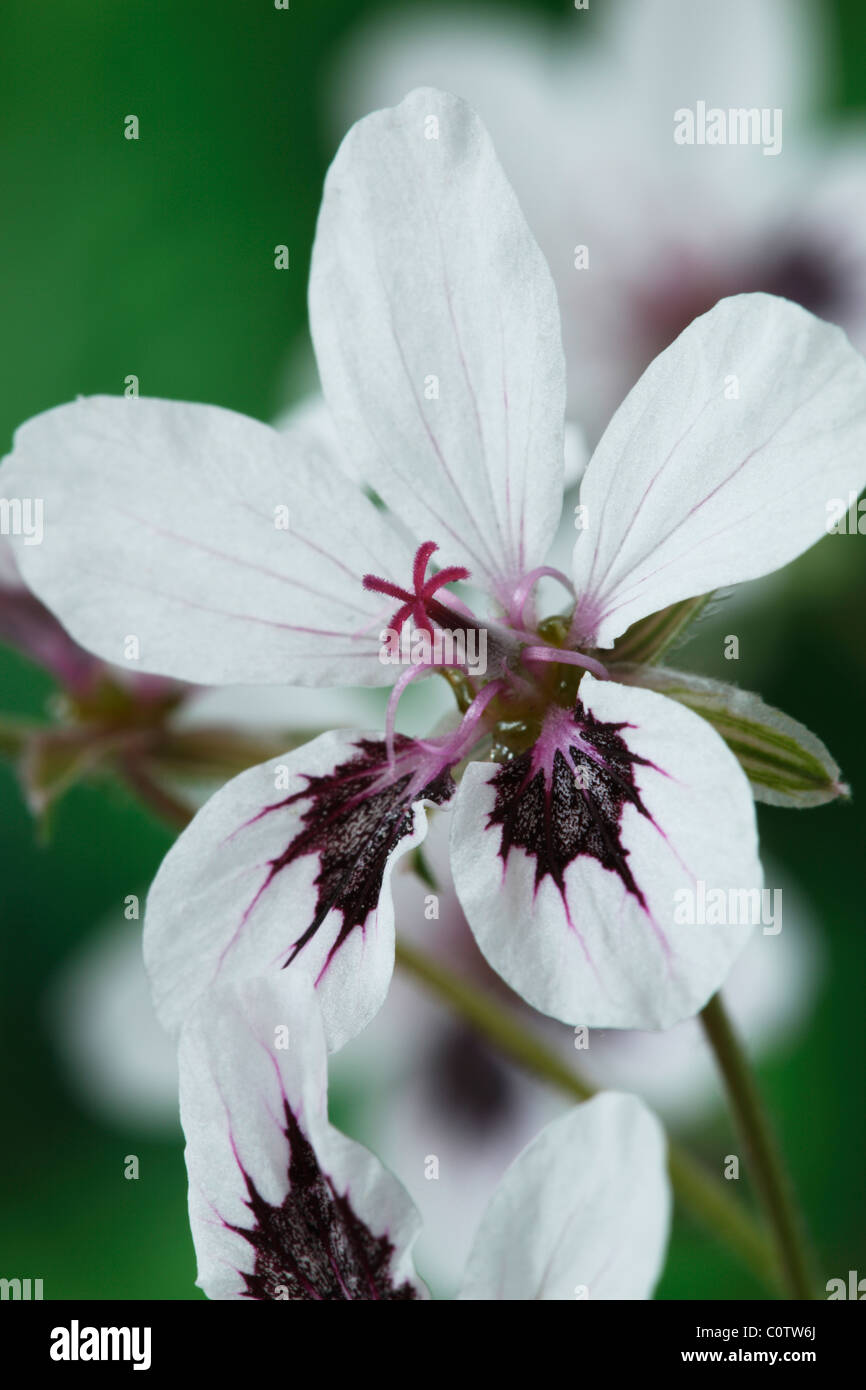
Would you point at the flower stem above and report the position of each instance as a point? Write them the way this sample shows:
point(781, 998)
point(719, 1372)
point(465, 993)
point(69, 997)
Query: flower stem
point(699, 1193)
point(167, 807)
point(767, 1170)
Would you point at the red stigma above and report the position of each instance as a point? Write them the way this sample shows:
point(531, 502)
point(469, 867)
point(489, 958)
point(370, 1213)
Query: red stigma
point(414, 604)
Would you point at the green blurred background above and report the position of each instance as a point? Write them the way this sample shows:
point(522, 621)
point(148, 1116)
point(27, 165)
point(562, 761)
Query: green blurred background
point(156, 257)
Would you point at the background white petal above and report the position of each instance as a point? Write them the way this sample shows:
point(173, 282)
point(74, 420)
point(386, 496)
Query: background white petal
point(116, 1057)
point(162, 523)
point(583, 1213)
point(719, 465)
point(764, 54)
point(580, 108)
point(771, 992)
point(437, 335)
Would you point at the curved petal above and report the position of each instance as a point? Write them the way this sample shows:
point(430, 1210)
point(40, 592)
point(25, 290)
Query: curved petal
point(311, 414)
point(231, 552)
point(282, 1206)
point(576, 862)
point(288, 867)
point(720, 464)
point(437, 335)
point(582, 1213)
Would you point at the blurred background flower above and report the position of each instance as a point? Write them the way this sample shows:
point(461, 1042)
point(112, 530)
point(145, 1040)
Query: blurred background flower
point(582, 114)
point(156, 257)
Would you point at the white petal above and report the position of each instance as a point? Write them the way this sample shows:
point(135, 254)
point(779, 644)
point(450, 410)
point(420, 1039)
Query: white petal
point(161, 524)
point(437, 334)
point(740, 54)
point(312, 416)
point(770, 995)
point(28, 627)
point(10, 577)
point(289, 866)
point(720, 463)
point(573, 896)
point(583, 1213)
point(576, 454)
point(328, 1221)
point(426, 1083)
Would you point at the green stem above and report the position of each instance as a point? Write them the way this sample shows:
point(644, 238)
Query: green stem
point(161, 801)
point(767, 1170)
point(14, 734)
point(700, 1193)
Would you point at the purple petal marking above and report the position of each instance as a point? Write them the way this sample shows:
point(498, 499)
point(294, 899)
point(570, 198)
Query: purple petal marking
point(565, 796)
point(314, 1246)
point(357, 815)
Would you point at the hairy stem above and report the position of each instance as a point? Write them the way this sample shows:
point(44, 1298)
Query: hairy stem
point(766, 1168)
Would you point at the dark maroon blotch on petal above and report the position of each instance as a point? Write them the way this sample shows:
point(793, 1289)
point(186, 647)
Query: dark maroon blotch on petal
point(357, 815)
point(565, 797)
point(314, 1246)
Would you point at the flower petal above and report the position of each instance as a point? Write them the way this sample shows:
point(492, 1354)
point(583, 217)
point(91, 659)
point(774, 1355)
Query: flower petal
point(583, 1213)
point(289, 866)
point(719, 465)
point(282, 1206)
point(573, 862)
point(232, 552)
point(437, 335)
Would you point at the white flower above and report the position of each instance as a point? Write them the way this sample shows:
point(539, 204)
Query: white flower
point(582, 115)
point(604, 799)
point(418, 1081)
point(285, 1207)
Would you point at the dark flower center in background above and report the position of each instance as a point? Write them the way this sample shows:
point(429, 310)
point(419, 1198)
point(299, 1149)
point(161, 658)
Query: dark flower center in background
point(469, 1084)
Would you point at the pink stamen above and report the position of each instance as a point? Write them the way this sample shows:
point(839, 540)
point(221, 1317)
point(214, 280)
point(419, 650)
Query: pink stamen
point(568, 658)
point(528, 583)
point(476, 710)
point(451, 749)
point(393, 701)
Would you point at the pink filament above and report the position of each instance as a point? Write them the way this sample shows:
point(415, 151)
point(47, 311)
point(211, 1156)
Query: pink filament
point(568, 658)
point(393, 701)
point(527, 584)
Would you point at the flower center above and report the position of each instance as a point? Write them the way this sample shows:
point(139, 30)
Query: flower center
point(528, 666)
point(421, 605)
